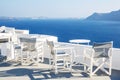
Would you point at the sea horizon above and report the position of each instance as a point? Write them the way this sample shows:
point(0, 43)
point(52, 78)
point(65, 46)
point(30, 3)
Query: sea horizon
point(66, 29)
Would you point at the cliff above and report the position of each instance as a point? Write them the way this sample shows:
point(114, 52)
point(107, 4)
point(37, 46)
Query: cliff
point(112, 16)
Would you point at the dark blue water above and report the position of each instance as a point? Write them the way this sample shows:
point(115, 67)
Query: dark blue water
point(66, 29)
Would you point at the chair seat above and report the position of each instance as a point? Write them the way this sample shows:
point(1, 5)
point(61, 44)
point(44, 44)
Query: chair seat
point(60, 52)
point(62, 55)
point(60, 64)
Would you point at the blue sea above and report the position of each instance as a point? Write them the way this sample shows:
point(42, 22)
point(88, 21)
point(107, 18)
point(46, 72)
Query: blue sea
point(66, 29)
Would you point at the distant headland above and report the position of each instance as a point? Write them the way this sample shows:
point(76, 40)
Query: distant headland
point(112, 16)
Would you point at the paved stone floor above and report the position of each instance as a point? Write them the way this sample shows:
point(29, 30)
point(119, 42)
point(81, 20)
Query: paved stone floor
point(16, 71)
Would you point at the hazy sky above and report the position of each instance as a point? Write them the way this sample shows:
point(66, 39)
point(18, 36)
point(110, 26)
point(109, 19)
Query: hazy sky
point(56, 8)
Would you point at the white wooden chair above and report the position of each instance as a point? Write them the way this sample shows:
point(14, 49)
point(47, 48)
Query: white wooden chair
point(37, 52)
point(6, 41)
point(59, 58)
point(17, 52)
point(100, 55)
point(32, 50)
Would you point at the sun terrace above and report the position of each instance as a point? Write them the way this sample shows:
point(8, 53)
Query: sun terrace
point(25, 56)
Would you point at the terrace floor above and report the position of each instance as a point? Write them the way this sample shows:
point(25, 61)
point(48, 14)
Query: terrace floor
point(15, 71)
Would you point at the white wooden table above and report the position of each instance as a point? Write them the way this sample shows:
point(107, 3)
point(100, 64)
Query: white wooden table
point(80, 41)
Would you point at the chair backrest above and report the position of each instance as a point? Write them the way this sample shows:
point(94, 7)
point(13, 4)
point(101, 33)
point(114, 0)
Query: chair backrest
point(28, 44)
point(102, 49)
point(51, 46)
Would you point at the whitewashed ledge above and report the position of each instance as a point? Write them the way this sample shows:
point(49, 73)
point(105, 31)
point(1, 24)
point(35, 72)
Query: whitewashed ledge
point(116, 59)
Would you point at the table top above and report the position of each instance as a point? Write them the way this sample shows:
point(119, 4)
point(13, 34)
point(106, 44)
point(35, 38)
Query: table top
point(79, 41)
point(63, 46)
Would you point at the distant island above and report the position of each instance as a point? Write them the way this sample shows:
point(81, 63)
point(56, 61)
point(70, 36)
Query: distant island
point(112, 16)
point(4, 18)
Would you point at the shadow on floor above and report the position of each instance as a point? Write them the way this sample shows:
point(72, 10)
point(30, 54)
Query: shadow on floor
point(31, 73)
point(44, 73)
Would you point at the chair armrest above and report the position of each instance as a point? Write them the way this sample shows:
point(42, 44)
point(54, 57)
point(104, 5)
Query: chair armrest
point(88, 52)
point(62, 48)
point(110, 52)
point(65, 49)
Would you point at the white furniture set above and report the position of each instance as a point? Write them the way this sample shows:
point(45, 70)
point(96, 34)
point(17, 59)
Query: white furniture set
point(30, 48)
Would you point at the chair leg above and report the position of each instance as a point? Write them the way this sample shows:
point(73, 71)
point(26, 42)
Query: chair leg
point(91, 68)
point(70, 67)
point(84, 65)
point(42, 58)
point(50, 62)
point(110, 67)
point(56, 69)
